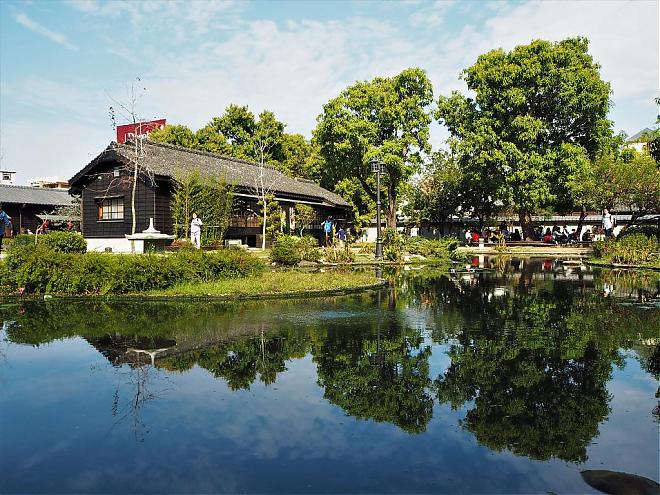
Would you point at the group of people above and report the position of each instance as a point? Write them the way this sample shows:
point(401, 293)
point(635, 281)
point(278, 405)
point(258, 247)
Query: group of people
point(490, 236)
point(551, 235)
point(331, 232)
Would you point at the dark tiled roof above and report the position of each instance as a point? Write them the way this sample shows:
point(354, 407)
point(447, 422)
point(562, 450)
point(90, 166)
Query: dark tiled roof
point(639, 135)
point(170, 161)
point(34, 195)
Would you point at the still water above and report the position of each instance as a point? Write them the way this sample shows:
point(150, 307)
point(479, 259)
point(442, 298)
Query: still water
point(508, 380)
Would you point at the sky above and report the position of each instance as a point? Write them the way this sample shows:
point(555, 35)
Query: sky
point(64, 63)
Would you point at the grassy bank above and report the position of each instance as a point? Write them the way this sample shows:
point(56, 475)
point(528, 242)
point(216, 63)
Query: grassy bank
point(272, 283)
point(634, 251)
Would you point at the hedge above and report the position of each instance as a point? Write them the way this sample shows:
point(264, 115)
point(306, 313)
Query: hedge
point(63, 242)
point(39, 269)
point(290, 250)
point(432, 248)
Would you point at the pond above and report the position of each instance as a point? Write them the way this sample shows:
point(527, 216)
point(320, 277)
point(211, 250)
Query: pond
point(514, 378)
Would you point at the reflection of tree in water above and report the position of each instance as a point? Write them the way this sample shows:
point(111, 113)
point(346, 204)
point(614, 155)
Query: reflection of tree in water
point(532, 351)
point(133, 393)
point(384, 377)
point(240, 362)
point(536, 365)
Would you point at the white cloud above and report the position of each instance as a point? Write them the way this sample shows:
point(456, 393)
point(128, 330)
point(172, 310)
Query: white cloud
point(293, 67)
point(34, 26)
point(431, 15)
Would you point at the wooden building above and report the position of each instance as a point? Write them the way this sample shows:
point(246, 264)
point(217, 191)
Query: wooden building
point(105, 187)
point(28, 206)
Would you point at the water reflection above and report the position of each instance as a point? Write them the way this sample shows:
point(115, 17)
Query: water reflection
point(529, 348)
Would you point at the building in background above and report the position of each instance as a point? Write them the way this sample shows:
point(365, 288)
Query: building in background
point(640, 140)
point(7, 177)
point(49, 183)
point(29, 206)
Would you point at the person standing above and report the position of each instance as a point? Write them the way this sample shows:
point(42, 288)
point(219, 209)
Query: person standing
point(607, 223)
point(341, 236)
point(5, 222)
point(327, 229)
point(196, 230)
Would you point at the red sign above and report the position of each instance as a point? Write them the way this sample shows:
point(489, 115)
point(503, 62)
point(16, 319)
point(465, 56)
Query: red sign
point(127, 131)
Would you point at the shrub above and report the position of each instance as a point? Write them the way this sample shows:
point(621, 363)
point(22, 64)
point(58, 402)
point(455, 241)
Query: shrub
point(42, 270)
point(337, 254)
point(182, 245)
point(285, 251)
point(61, 242)
point(64, 242)
point(309, 247)
point(290, 250)
point(392, 245)
point(649, 230)
point(432, 248)
point(633, 249)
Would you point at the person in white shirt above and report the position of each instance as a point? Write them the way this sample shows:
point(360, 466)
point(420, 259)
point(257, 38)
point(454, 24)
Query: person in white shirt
point(196, 230)
point(607, 223)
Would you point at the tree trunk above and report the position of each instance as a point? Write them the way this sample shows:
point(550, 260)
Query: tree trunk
point(526, 225)
point(263, 223)
point(135, 179)
point(583, 215)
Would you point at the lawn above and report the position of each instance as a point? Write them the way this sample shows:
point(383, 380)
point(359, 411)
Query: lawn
point(275, 282)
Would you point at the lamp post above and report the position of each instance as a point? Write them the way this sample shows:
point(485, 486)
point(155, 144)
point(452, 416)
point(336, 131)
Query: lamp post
point(377, 167)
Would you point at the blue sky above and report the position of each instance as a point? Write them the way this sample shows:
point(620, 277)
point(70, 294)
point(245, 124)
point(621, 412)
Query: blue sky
point(62, 63)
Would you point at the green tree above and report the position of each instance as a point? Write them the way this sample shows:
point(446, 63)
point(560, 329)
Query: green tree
point(175, 134)
point(538, 109)
point(305, 215)
point(210, 197)
point(438, 194)
point(385, 119)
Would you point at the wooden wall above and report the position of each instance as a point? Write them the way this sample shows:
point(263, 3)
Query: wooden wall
point(151, 200)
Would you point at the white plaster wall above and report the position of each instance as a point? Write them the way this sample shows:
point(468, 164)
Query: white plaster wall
point(117, 245)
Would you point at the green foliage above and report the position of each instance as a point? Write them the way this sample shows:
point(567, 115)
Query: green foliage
point(539, 110)
point(634, 249)
point(42, 270)
point(439, 192)
point(432, 248)
point(63, 242)
point(393, 243)
point(290, 250)
point(274, 217)
point(210, 197)
point(285, 251)
point(238, 134)
point(387, 119)
point(309, 247)
point(338, 254)
point(304, 217)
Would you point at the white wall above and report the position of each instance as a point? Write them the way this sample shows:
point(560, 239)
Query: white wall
point(117, 245)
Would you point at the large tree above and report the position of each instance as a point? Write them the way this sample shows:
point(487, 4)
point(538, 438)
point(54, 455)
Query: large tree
point(239, 134)
point(385, 119)
point(538, 110)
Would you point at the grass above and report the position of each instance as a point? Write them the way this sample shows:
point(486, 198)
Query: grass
point(271, 283)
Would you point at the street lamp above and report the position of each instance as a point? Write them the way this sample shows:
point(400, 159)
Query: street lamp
point(377, 168)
